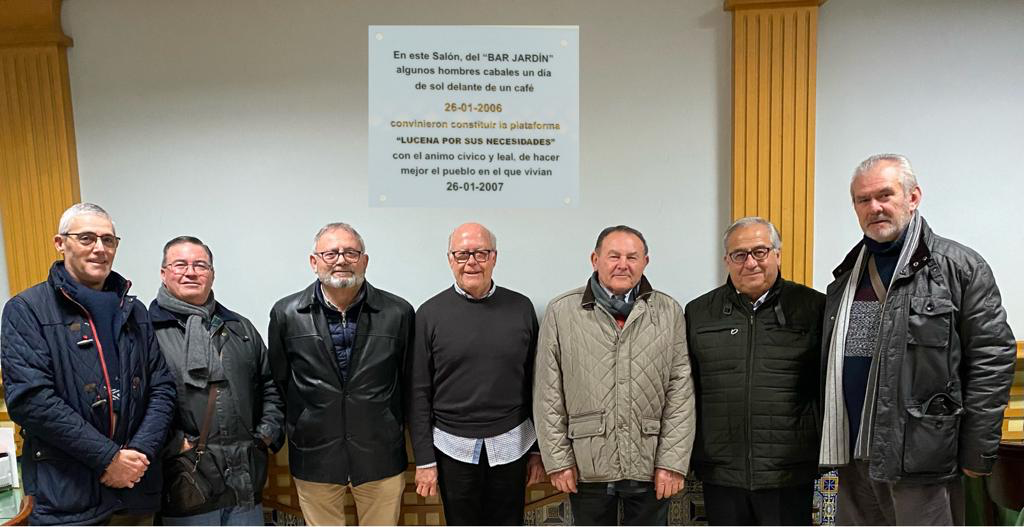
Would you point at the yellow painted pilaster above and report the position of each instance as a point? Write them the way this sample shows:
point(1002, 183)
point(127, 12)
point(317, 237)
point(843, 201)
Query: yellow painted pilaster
point(774, 62)
point(38, 164)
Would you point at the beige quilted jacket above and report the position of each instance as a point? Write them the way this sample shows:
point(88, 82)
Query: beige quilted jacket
point(615, 403)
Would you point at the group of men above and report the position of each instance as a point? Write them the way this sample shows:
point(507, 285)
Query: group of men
point(898, 377)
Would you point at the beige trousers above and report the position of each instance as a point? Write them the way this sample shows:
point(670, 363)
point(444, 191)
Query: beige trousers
point(377, 502)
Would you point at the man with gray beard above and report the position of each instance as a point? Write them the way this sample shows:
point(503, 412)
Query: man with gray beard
point(336, 351)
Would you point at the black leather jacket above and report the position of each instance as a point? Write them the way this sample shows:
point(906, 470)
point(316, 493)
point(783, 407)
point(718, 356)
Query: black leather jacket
point(756, 380)
point(943, 333)
point(342, 432)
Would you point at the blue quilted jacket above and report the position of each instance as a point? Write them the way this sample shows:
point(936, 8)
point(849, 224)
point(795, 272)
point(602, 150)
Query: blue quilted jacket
point(54, 388)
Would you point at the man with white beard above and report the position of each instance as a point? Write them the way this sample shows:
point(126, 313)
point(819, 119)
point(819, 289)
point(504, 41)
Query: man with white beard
point(336, 350)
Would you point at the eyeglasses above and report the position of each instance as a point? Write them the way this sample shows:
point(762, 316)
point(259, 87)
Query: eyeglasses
point(350, 255)
point(480, 255)
point(759, 254)
point(181, 267)
point(86, 239)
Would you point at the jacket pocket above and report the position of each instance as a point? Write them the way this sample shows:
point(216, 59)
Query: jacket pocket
point(718, 336)
point(930, 439)
point(929, 321)
point(586, 431)
point(62, 484)
point(650, 430)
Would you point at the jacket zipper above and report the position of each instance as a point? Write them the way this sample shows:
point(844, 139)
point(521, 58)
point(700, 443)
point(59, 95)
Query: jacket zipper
point(103, 362)
point(878, 353)
point(750, 438)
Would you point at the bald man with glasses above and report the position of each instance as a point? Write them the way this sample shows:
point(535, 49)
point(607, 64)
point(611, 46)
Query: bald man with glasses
point(337, 349)
point(470, 403)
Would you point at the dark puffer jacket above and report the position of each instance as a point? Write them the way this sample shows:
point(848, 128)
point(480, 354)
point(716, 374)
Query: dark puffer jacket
point(943, 332)
point(756, 378)
point(53, 387)
point(341, 432)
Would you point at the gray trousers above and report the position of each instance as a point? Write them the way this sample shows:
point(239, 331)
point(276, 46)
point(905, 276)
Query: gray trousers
point(863, 501)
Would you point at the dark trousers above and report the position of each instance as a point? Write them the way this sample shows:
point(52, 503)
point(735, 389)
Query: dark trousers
point(598, 504)
point(736, 506)
point(864, 501)
point(481, 494)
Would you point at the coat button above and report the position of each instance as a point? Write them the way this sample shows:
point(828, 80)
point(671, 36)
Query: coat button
point(928, 307)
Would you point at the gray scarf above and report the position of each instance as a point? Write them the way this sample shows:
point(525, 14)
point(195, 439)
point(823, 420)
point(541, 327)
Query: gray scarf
point(198, 348)
point(835, 440)
point(613, 305)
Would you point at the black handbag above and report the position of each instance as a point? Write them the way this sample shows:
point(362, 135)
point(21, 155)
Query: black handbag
point(192, 478)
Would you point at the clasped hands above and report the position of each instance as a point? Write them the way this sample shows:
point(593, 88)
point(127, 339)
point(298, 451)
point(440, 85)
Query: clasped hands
point(126, 469)
point(426, 477)
point(667, 483)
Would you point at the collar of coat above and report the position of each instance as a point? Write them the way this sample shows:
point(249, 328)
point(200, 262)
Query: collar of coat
point(920, 257)
point(62, 282)
point(159, 315)
point(308, 297)
point(643, 291)
point(743, 302)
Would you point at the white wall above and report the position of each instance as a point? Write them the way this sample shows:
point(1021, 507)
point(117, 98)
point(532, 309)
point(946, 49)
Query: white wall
point(244, 123)
point(941, 82)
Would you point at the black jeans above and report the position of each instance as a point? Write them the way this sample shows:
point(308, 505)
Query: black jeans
point(736, 506)
point(598, 504)
point(481, 494)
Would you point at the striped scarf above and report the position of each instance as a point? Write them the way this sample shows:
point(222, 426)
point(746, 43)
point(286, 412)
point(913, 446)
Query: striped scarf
point(835, 439)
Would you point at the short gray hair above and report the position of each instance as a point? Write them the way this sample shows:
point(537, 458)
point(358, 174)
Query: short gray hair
point(339, 226)
point(753, 220)
point(908, 179)
point(81, 209)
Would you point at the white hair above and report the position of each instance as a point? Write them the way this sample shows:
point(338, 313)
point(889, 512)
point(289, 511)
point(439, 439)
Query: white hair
point(81, 209)
point(342, 227)
point(908, 180)
point(490, 235)
point(753, 220)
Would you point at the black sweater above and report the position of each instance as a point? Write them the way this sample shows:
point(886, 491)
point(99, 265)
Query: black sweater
point(471, 367)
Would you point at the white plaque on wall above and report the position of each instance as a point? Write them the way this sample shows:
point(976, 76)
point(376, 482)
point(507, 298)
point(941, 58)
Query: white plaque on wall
point(473, 116)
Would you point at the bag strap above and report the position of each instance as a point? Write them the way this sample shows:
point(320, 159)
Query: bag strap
point(876, 280)
point(211, 402)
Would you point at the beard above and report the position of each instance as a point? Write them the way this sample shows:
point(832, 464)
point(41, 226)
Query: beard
point(337, 282)
point(897, 222)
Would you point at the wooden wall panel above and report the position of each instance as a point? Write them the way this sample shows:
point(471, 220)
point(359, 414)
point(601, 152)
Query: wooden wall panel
point(38, 165)
point(774, 50)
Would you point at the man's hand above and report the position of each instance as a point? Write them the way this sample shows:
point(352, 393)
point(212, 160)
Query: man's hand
point(535, 470)
point(565, 480)
point(667, 483)
point(972, 474)
point(126, 469)
point(426, 481)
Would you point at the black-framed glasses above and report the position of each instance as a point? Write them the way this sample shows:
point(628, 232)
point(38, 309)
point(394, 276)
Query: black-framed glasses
point(350, 255)
point(759, 254)
point(87, 239)
point(181, 266)
point(480, 255)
